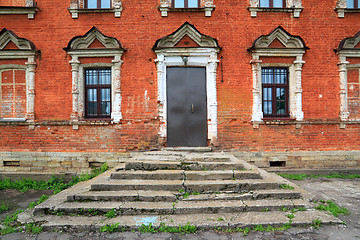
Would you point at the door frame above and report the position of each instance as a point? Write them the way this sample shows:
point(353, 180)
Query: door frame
point(188, 57)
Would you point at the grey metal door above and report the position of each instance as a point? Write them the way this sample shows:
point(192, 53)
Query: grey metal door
point(186, 107)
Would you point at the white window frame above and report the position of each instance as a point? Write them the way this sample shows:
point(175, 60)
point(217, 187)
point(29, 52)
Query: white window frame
point(78, 48)
point(27, 51)
point(293, 47)
point(77, 6)
point(346, 49)
point(292, 6)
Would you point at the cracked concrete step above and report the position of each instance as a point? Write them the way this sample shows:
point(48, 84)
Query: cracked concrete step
point(258, 194)
point(136, 184)
point(182, 175)
point(181, 207)
point(229, 185)
point(201, 221)
point(145, 196)
point(183, 165)
point(158, 174)
point(221, 175)
point(188, 185)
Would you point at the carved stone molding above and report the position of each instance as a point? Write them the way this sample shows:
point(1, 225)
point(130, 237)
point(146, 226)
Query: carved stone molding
point(341, 8)
point(293, 6)
point(80, 46)
point(24, 49)
point(292, 46)
point(169, 54)
point(205, 5)
point(347, 48)
point(28, 7)
point(77, 6)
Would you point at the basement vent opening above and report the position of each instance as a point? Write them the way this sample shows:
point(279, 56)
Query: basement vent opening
point(11, 163)
point(277, 163)
point(95, 164)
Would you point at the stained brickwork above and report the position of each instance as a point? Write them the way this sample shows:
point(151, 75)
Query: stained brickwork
point(138, 28)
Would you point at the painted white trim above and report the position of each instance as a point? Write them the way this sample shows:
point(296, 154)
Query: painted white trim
point(197, 57)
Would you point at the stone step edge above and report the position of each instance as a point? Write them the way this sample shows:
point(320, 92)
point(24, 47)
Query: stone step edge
point(77, 223)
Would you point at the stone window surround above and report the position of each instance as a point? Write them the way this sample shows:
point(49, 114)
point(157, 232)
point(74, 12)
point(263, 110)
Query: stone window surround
point(206, 5)
point(293, 47)
point(76, 7)
point(26, 51)
point(77, 48)
point(30, 9)
point(78, 83)
point(346, 49)
point(341, 9)
point(293, 6)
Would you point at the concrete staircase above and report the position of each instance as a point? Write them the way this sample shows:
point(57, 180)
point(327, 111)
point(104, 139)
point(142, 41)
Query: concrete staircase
point(205, 189)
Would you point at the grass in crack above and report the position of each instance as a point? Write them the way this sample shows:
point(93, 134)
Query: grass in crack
point(286, 186)
point(182, 229)
point(331, 207)
point(111, 228)
point(33, 228)
point(111, 214)
point(3, 208)
point(316, 223)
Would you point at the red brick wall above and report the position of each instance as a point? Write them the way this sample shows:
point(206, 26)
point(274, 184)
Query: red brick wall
point(138, 28)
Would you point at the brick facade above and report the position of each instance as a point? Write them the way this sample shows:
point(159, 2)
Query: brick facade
point(139, 27)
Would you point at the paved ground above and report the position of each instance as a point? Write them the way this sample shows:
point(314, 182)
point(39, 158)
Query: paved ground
point(343, 192)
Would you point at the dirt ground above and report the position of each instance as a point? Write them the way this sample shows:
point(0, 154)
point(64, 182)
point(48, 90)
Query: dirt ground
point(345, 193)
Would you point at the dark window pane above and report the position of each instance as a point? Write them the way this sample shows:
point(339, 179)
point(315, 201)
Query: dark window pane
point(105, 3)
point(193, 3)
point(264, 3)
point(105, 94)
point(179, 3)
point(92, 3)
point(268, 108)
point(105, 108)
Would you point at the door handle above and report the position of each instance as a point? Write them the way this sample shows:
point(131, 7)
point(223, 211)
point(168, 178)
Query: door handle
point(192, 108)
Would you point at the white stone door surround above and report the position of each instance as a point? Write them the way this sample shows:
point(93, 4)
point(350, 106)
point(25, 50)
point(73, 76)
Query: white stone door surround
point(168, 55)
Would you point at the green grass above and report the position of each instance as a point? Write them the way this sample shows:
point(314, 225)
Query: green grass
point(332, 175)
point(331, 207)
point(57, 184)
point(286, 186)
point(3, 208)
point(182, 229)
point(111, 214)
point(111, 228)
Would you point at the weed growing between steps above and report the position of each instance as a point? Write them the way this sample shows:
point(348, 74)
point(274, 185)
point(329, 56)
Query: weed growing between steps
point(331, 207)
point(57, 184)
point(182, 229)
point(333, 175)
point(3, 208)
point(287, 186)
point(185, 195)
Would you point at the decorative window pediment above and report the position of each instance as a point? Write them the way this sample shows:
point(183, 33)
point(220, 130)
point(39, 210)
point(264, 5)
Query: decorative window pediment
point(186, 36)
point(350, 6)
point(14, 47)
point(167, 6)
point(279, 43)
point(293, 6)
point(27, 7)
point(79, 6)
point(94, 41)
point(349, 74)
point(94, 44)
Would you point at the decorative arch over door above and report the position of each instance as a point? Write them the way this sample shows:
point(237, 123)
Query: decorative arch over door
point(187, 47)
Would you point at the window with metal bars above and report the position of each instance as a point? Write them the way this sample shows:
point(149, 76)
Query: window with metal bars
point(97, 4)
point(355, 4)
point(98, 93)
point(185, 3)
point(275, 91)
point(273, 3)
